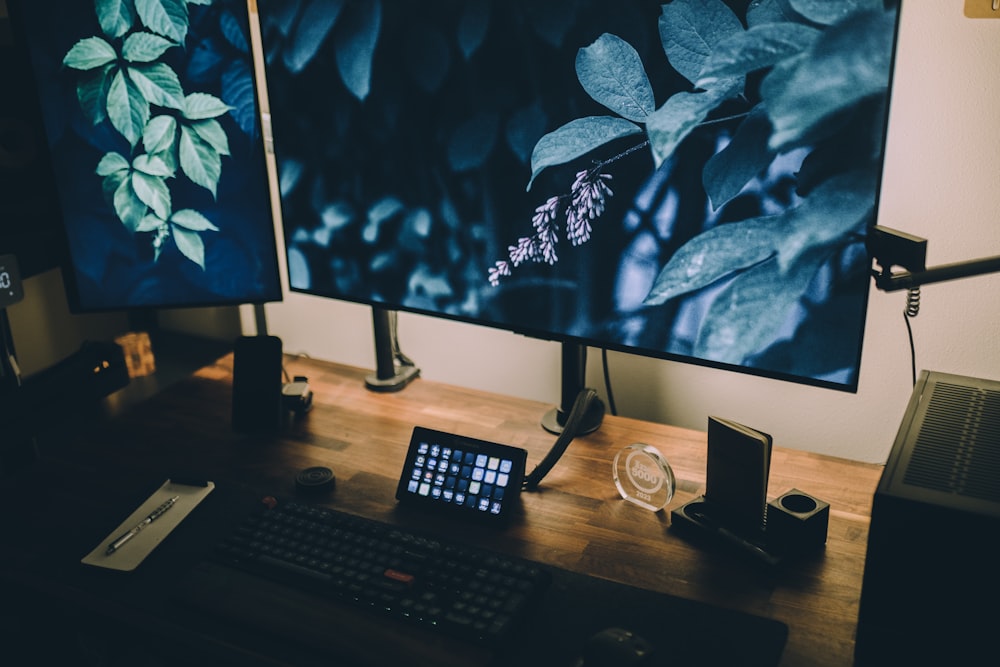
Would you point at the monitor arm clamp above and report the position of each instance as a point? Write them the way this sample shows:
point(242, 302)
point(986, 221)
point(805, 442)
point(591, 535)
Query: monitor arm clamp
point(891, 248)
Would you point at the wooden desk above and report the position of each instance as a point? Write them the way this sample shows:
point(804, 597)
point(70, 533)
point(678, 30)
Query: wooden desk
point(576, 520)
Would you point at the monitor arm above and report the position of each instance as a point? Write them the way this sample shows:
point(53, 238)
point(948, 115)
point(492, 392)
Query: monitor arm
point(393, 369)
point(890, 248)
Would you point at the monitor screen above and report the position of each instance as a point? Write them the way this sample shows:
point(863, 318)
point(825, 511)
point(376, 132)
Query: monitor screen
point(156, 150)
point(690, 180)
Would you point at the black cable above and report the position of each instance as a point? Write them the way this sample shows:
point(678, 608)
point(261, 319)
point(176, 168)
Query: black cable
point(607, 382)
point(8, 363)
point(397, 353)
point(581, 406)
point(913, 353)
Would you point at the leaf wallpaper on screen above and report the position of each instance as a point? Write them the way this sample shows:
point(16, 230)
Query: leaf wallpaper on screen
point(157, 150)
point(691, 179)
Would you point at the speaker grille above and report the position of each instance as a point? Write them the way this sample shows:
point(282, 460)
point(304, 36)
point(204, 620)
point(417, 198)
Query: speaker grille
point(958, 447)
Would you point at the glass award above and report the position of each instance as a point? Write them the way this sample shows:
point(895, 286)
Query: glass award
point(644, 477)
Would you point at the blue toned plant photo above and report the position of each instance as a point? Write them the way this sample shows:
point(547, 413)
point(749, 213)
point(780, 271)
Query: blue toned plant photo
point(692, 179)
point(123, 81)
point(151, 117)
point(818, 66)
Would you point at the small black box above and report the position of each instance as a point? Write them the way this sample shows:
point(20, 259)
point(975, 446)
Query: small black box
point(797, 521)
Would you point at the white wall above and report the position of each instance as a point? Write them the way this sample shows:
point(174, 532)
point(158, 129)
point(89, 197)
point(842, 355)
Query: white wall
point(43, 329)
point(942, 183)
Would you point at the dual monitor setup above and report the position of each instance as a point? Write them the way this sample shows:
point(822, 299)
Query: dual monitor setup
point(689, 181)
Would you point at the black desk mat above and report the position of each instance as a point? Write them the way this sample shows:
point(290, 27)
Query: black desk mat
point(573, 609)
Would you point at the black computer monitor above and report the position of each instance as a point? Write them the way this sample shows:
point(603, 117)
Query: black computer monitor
point(690, 180)
point(156, 150)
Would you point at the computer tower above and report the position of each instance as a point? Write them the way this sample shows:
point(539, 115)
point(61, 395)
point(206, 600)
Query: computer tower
point(931, 587)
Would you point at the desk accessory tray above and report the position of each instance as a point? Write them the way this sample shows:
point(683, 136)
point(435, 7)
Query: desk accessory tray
point(735, 511)
point(131, 554)
point(795, 524)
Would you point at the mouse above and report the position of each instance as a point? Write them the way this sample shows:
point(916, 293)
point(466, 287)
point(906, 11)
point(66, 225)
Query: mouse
point(613, 647)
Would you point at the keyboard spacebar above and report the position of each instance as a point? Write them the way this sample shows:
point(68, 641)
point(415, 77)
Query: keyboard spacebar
point(279, 565)
point(259, 610)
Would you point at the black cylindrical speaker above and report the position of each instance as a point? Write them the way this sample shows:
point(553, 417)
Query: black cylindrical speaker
point(257, 404)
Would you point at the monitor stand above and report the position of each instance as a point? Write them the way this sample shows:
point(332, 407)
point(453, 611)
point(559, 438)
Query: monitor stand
point(574, 370)
point(393, 370)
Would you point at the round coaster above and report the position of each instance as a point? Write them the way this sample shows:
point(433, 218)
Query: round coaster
point(644, 477)
point(317, 478)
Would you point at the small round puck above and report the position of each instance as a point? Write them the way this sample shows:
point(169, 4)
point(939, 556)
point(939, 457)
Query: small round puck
point(317, 478)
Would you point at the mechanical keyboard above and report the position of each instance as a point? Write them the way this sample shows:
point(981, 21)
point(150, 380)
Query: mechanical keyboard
point(383, 569)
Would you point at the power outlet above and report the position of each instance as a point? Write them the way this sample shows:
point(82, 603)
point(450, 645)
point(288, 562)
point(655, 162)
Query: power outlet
point(982, 9)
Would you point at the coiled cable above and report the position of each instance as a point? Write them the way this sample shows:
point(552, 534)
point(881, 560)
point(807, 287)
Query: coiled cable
point(912, 310)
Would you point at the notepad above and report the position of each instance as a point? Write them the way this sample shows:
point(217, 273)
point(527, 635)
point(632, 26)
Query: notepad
point(739, 459)
point(130, 555)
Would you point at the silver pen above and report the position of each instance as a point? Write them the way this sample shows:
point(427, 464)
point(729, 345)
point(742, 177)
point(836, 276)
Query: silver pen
point(153, 516)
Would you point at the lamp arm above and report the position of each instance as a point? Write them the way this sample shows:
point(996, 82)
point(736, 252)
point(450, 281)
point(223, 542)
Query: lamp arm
point(887, 281)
